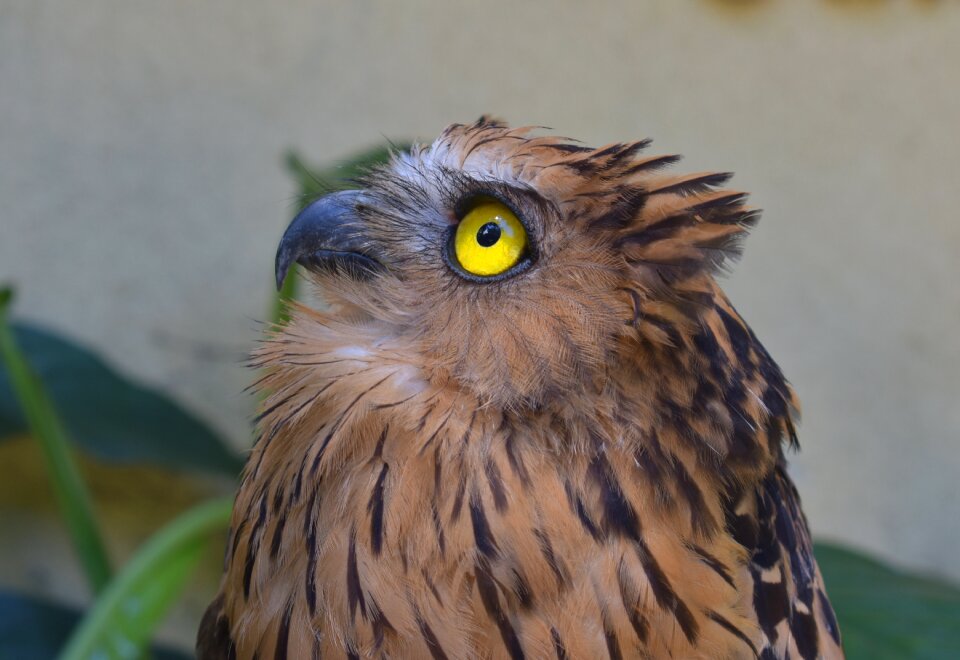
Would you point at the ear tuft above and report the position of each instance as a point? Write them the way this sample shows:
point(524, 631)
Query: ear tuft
point(687, 226)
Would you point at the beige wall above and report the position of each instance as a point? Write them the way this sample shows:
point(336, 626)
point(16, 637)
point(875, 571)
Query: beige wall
point(141, 194)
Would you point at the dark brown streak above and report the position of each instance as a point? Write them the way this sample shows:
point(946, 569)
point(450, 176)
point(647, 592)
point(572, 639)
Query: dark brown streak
point(431, 586)
point(619, 515)
point(433, 435)
point(438, 528)
point(277, 538)
point(658, 231)
point(286, 418)
point(516, 464)
point(354, 589)
point(458, 499)
point(486, 140)
point(613, 646)
point(487, 587)
point(424, 417)
point(482, 535)
point(558, 646)
point(666, 327)
point(732, 629)
point(380, 624)
point(702, 519)
point(237, 533)
point(253, 544)
point(286, 399)
point(693, 185)
point(729, 201)
point(340, 420)
point(283, 636)
point(546, 547)
point(635, 299)
point(248, 573)
point(469, 431)
point(433, 644)
point(375, 507)
point(623, 212)
point(654, 163)
point(278, 498)
point(496, 485)
point(383, 406)
point(576, 503)
point(664, 594)
point(640, 626)
point(715, 564)
point(378, 450)
point(310, 578)
point(256, 385)
point(336, 377)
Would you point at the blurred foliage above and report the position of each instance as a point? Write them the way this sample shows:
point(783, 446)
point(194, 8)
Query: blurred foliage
point(45, 424)
point(108, 415)
point(124, 617)
point(883, 613)
point(314, 182)
point(34, 629)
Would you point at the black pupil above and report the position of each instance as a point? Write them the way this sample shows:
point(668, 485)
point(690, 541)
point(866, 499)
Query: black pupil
point(488, 234)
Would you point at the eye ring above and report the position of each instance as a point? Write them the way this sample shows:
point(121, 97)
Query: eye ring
point(515, 222)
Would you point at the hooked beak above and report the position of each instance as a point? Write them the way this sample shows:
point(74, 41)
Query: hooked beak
point(327, 234)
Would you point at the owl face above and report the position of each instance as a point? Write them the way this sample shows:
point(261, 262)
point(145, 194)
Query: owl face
point(508, 261)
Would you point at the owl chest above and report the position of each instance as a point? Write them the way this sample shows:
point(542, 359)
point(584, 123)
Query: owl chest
point(490, 550)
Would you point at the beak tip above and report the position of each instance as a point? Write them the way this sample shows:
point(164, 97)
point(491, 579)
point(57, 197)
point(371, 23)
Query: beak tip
point(313, 228)
point(282, 268)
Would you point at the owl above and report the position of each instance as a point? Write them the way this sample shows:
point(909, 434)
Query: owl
point(527, 423)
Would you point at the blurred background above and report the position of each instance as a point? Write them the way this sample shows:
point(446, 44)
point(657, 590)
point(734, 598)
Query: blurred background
point(143, 191)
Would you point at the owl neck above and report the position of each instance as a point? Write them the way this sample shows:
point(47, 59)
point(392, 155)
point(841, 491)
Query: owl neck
point(688, 383)
point(697, 381)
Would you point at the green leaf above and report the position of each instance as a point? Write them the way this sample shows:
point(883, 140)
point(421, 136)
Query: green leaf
point(47, 429)
point(122, 620)
point(109, 416)
point(35, 629)
point(885, 613)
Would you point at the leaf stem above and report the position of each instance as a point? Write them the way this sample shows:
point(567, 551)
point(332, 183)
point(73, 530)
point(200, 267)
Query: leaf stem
point(178, 539)
point(45, 426)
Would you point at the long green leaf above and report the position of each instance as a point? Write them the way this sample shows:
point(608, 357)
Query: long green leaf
point(109, 415)
point(46, 428)
point(124, 617)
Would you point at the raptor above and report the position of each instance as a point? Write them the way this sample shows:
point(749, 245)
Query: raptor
point(527, 424)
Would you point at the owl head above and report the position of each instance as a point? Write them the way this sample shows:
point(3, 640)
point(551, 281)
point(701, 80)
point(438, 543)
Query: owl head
point(521, 266)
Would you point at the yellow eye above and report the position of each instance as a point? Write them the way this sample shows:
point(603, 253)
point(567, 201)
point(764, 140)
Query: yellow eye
point(490, 239)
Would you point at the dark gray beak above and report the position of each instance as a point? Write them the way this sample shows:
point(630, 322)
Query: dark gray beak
point(328, 234)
